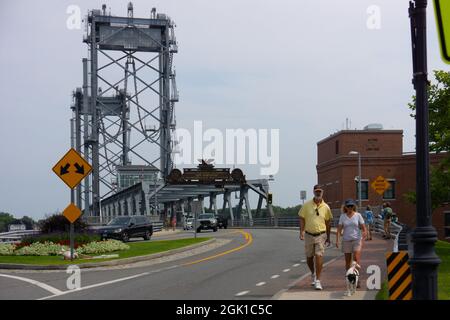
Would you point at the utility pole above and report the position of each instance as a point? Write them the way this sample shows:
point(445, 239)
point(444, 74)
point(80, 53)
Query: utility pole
point(424, 262)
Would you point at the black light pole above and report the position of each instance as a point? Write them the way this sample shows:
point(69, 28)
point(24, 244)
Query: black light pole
point(424, 262)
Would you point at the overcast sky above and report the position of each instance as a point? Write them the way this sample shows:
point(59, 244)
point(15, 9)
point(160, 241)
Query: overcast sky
point(299, 66)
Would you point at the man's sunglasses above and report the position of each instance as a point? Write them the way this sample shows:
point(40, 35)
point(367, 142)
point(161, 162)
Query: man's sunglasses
point(350, 206)
point(317, 211)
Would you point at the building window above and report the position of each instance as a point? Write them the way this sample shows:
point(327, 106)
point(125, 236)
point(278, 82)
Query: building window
point(364, 189)
point(389, 194)
point(447, 224)
point(337, 146)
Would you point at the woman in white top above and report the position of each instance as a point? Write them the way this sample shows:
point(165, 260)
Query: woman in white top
point(350, 224)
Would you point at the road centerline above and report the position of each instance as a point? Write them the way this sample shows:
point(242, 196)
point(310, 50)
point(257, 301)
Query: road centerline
point(248, 237)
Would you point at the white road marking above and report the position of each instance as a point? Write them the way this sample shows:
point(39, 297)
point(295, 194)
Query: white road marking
point(94, 285)
point(108, 282)
point(305, 260)
point(42, 285)
point(286, 270)
point(242, 293)
point(296, 265)
point(274, 276)
point(260, 284)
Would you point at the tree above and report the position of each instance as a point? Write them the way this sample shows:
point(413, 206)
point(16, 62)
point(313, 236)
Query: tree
point(439, 136)
point(58, 223)
point(28, 222)
point(5, 220)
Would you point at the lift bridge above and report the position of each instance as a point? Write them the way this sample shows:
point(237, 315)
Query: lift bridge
point(124, 120)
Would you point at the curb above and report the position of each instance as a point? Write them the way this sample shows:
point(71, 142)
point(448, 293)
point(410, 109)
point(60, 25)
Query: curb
point(10, 266)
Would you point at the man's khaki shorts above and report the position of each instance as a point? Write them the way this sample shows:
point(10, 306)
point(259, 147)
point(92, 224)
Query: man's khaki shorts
point(315, 245)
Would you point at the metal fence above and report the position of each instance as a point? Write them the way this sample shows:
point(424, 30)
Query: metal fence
point(16, 236)
point(274, 222)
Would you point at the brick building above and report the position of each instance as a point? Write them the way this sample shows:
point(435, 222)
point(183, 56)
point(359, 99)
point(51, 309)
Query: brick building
point(381, 155)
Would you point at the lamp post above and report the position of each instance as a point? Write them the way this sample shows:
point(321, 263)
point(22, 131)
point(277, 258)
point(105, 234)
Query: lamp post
point(424, 262)
point(359, 177)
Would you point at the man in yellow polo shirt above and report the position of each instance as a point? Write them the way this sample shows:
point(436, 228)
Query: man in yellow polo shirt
point(315, 226)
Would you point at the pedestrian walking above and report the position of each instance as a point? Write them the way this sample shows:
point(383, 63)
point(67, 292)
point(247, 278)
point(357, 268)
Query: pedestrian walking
point(315, 227)
point(387, 217)
point(351, 223)
point(368, 220)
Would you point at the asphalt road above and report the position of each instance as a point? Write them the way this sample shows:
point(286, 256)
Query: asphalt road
point(255, 264)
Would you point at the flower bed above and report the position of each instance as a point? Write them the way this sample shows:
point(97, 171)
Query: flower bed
point(59, 238)
point(7, 249)
point(40, 249)
point(102, 247)
point(49, 248)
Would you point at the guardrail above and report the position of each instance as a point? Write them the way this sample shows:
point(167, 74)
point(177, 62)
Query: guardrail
point(16, 236)
point(395, 231)
point(274, 222)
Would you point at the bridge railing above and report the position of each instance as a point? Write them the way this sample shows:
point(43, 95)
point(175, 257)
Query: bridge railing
point(275, 222)
point(16, 236)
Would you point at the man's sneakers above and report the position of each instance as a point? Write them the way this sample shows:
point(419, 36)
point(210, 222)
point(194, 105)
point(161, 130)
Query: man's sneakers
point(313, 280)
point(317, 285)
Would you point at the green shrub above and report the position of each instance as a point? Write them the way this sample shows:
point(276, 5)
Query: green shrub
point(7, 249)
point(60, 238)
point(58, 223)
point(102, 247)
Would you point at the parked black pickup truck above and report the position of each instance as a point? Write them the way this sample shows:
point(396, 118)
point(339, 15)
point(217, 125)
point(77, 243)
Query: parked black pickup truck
point(123, 228)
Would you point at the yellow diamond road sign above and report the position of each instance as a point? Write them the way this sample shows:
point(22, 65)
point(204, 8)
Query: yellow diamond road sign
point(72, 213)
point(442, 13)
point(72, 168)
point(380, 185)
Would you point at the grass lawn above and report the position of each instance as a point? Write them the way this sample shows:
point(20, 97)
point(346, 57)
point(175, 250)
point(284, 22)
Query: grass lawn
point(136, 249)
point(443, 251)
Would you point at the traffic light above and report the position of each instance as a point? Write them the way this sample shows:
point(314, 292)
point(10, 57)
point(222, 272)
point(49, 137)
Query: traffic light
point(269, 198)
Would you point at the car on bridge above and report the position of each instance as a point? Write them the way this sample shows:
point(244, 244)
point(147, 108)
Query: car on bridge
point(188, 224)
point(222, 222)
point(123, 228)
point(206, 221)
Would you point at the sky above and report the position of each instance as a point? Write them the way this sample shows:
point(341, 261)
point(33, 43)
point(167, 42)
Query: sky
point(300, 66)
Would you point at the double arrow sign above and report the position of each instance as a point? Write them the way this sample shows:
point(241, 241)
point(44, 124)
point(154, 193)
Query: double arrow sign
point(72, 168)
point(65, 170)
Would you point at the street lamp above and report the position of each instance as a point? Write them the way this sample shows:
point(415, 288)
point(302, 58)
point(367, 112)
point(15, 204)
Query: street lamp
point(359, 176)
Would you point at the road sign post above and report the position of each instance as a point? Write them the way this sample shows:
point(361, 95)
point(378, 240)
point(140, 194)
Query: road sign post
point(424, 262)
point(303, 196)
point(72, 168)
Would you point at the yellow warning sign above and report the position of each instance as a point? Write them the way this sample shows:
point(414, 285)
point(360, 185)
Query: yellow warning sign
point(72, 168)
point(399, 276)
point(72, 213)
point(380, 185)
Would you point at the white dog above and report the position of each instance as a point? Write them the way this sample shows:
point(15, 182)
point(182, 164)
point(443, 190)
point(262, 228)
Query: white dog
point(352, 278)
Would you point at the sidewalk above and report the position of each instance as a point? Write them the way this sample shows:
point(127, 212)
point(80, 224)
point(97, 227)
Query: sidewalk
point(333, 276)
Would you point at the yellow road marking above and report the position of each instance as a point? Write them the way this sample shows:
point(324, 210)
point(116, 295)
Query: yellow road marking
point(248, 237)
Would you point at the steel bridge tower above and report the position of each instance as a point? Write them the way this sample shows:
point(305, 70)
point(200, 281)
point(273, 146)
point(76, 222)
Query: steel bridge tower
point(124, 113)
